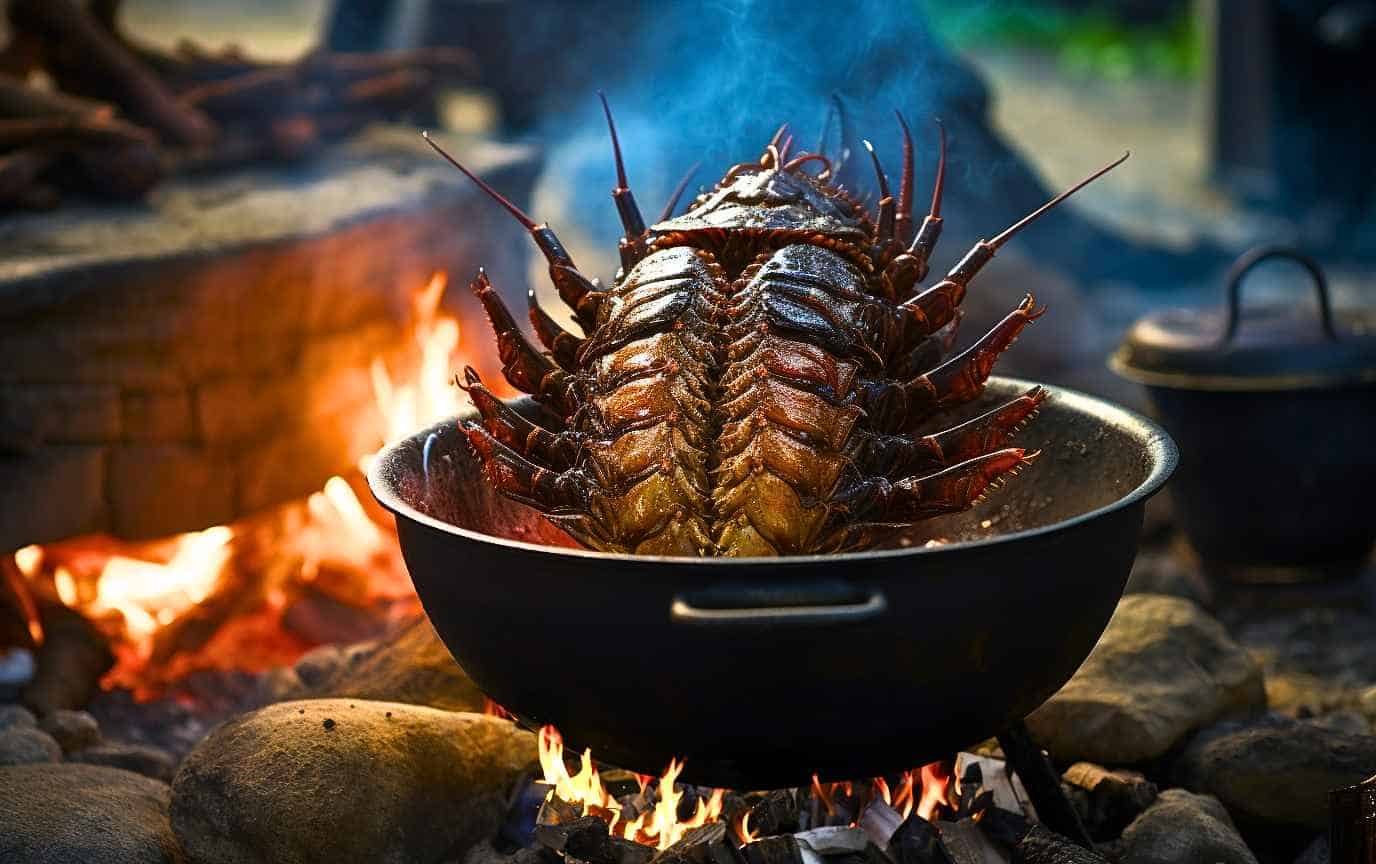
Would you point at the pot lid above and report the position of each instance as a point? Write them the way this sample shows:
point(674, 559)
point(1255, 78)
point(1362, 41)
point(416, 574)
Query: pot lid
point(1267, 348)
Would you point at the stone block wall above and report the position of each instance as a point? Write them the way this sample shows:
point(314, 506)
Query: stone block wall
point(168, 368)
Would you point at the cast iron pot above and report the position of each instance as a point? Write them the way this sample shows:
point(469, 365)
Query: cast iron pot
point(1275, 415)
point(762, 671)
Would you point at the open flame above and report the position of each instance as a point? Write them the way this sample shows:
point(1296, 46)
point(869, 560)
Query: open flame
point(216, 598)
point(923, 791)
point(659, 827)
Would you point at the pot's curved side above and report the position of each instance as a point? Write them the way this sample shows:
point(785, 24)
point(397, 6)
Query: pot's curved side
point(764, 671)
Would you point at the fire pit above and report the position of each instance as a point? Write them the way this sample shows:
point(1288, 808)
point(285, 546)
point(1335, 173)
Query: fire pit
point(750, 668)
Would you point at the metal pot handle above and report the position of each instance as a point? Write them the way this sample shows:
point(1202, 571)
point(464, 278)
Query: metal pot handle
point(1244, 265)
point(830, 603)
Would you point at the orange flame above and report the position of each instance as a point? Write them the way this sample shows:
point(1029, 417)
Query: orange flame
point(659, 827)
point(329, 543)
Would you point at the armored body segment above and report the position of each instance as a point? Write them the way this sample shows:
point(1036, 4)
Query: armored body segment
point(755, 380)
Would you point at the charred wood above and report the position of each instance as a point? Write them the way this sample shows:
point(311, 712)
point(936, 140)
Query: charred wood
point(1042, 783)
point(584, 838)
point(773, 850)
point(917, 841)
point(1111, 798)
point(20, 99)
point(57, 132)
point(707, 844)
point(1041, 846)
point(70, 662)
point(776, 814)
point(86, 59)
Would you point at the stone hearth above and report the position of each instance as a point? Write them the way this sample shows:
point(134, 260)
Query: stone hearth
point(178, 365)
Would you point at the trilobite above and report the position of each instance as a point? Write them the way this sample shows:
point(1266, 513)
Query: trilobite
point(760, 377)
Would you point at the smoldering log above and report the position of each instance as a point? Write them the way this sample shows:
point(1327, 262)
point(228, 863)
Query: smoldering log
point(777, 813)
point(85, 58)
point(70, 662)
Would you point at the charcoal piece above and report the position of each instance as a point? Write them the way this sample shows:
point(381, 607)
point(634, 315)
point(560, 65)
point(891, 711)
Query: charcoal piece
point(1113, 798)
point(584, 838)
point(1041, 846)
point(917, 841)
point(773, 850)
point(776, 814)
point(834, 840)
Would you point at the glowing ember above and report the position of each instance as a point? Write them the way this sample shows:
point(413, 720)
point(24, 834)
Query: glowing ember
point(225, 597)
point(923, 791)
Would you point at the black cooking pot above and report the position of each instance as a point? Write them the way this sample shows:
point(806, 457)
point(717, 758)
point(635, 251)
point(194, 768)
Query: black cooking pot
point(762, 671)
point(1275, 416)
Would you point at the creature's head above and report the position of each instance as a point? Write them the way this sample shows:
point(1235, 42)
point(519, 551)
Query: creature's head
point(774, 194)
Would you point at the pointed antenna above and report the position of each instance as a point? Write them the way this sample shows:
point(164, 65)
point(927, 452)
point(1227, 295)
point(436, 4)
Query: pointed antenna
point(616, 144)
point(678, 192)
point(940, 183)
point(771, 150)
point(905, 186)
point(1011, 230)
point(626, 207)
point(501, 199)
point(878, 171)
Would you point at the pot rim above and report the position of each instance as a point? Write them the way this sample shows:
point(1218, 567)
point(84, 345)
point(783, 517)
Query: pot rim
point(1120, 362)
point(1158, 447)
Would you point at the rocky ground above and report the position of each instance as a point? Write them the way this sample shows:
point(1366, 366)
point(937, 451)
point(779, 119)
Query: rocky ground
point(1186, 736)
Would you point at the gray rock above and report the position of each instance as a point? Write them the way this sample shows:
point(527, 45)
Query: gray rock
point(1274, 769)
point(24, 745)
point(1183, 827)
point(73, 730)
point(139, 758)
point(1351, 722)
point(336, 780)
point(77, 814)
point(1162, 669)
point(15, 715)
point(414, 667)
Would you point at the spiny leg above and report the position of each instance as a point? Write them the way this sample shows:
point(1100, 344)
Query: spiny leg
point(896, 405)
point(903, 219)
point(580, 293)
point(874, 506)
point(564, 497)
point(901, 455)
point(909, 267)
point(934, 307)
point(632, 246)
point(557, 450)
point(561, 344)
point(527, 369)
point(884, 230)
